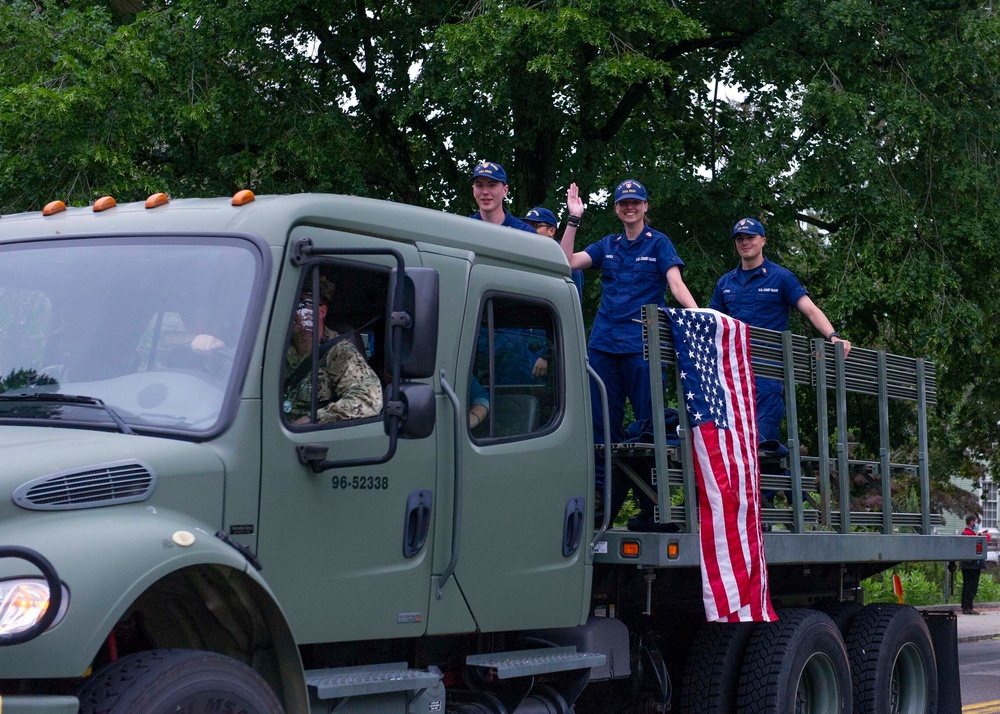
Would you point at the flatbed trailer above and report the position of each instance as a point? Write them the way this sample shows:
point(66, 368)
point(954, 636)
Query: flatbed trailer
point(792, 531)
point(818, 548)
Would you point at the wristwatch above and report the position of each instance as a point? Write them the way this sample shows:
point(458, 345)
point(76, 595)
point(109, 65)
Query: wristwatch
point(832, 335)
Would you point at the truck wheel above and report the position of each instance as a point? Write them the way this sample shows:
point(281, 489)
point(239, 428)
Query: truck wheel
point(166, 681)
point(797, 664)
point(892, 661)
point(717, 651)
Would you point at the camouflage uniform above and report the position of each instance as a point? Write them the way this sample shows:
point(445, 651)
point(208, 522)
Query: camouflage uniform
point(348, 387)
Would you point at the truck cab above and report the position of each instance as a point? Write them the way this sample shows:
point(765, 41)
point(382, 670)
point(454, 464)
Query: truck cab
point(168, 483)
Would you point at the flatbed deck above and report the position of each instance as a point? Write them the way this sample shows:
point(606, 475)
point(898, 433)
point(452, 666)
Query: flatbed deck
point(786, 548)
point(830, 524)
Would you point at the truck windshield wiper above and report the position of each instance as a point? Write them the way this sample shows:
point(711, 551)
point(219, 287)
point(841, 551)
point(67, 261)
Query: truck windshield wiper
point(71, 399)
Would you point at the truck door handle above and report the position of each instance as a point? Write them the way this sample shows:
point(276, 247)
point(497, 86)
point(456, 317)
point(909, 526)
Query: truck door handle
point(573, 525)
point(456, 513)
point(416, 522)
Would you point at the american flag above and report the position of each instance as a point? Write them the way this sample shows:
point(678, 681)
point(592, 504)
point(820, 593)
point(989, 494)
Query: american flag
point(713, 356)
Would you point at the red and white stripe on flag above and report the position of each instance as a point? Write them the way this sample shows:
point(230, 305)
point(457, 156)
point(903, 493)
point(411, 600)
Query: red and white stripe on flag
point(713, 357)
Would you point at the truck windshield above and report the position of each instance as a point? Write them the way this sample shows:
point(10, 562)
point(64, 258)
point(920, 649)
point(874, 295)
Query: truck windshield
point(150, 327)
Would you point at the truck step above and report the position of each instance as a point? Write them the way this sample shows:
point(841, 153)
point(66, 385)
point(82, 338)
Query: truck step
point(524, 663)
point(339, 682)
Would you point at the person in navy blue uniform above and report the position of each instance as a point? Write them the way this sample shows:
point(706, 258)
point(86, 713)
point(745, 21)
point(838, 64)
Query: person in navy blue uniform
point(545, 224)
point(490, 189)
point(479, 403)
point(637, 266)
point(518, 360)
point(762, 293)
point(520, 355)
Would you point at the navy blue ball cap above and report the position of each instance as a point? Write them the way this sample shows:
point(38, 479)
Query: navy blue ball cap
point(748, 226)
point(489, 170)
point(630, 188)
point(541, 215)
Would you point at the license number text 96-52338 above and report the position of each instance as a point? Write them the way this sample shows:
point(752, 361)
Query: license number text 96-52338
point(360, 483)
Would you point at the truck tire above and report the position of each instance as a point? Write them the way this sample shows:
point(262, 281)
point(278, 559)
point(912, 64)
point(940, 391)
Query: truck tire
point(165, 681)
point(841, 612)
point(892, 661)
point(717, 651)
point(798, 664)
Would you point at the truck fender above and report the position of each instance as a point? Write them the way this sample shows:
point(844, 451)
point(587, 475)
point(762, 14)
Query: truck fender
point(191, 589)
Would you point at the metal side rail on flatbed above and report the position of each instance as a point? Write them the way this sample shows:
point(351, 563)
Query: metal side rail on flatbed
point(635, 461)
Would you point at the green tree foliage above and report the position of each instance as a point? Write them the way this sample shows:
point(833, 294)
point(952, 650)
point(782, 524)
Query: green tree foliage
point(863, 134)
point(923, 584)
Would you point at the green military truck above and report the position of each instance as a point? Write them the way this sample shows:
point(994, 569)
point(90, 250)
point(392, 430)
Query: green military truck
point(175, 538)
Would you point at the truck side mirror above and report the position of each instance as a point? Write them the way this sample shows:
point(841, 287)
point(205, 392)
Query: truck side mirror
point(420, 301)
point(419, 410)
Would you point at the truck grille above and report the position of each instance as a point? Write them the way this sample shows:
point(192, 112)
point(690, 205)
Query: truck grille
point(104, 485)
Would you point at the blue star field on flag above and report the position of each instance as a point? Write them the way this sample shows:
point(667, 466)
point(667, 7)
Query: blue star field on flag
point(697, 359)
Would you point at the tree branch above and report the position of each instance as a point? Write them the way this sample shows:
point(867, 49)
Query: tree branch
point(819, 223)
point(127, 7)
point(727, 41)
point(637, 91)
point(632, 96)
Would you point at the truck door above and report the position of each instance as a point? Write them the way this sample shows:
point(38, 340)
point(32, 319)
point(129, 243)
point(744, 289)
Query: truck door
point(346, 550)
point(526, 518)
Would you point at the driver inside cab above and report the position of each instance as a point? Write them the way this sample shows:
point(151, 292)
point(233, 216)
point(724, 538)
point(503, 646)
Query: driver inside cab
point(348, 387)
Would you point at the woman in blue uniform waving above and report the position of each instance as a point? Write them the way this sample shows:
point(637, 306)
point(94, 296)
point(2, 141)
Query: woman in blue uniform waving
point(637, 266)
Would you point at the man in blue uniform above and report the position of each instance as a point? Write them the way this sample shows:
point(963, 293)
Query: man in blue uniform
point(637, 266)
point(518, 360)
point(545, 224)
point(490, 189)
point(761, 293)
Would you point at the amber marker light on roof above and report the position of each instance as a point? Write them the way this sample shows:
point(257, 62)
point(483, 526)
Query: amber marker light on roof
point(630, 549)
point(243, 197)
point(104, 203)
point(157, 199)
point(673, 550)
point(53, 207)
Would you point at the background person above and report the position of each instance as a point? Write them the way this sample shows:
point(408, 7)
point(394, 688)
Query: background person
point(545, 224)
point(971, 569)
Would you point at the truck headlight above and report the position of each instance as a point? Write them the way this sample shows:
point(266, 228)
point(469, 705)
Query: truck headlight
point(23, 602)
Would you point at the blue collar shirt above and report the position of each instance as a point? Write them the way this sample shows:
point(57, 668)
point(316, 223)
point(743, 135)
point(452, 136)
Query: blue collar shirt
point(761, 298)
point(633, 274)
point(509, 221)
point(578, 281)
